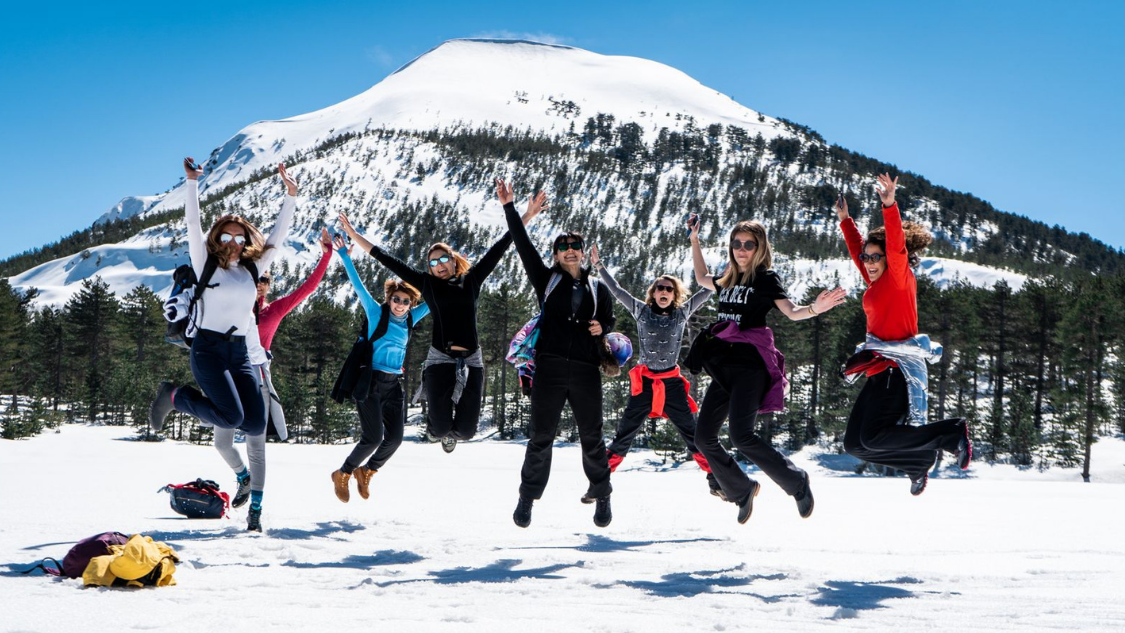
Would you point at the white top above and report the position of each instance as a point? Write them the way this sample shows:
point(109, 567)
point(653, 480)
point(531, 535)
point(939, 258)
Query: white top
point(229, 300)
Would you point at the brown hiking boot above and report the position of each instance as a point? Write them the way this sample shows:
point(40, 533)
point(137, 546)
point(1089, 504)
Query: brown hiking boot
point(340, 480)
point(363, 479)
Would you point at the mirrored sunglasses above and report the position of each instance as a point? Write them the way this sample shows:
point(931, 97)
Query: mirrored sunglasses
point(444, 259)
point(225, 238)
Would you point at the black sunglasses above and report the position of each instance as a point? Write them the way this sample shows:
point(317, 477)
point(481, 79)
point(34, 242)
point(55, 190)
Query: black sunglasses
point(400, 301)
point(565, 246)
point(663, 288)
point(263, 280)
point(739, 245)
point(873, 258)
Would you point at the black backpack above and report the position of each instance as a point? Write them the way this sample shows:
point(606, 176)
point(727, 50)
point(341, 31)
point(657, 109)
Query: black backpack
point(354, 380)
point(182, 279)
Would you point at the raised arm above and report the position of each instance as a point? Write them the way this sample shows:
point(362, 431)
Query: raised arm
point(370, 307)
point(898, 259)
point(632, 304)
point(537, 272)
point(285, 304)
point(400, 268)
point(419, 311)
point(197, 246)
point(702, 277)
point(280, 231)
point(486, 264)
point(852, 236)
point(697, 300)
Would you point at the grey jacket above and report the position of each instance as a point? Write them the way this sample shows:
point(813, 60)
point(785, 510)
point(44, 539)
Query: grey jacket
point(911, 355)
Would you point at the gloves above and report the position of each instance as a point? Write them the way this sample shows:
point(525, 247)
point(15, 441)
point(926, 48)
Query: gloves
point(177, 307)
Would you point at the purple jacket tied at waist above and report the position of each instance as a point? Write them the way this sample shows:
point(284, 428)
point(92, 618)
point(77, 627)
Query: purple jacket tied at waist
point(762, 339)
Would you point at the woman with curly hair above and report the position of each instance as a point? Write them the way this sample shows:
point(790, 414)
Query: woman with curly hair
point(894, 356)
point(222, 319)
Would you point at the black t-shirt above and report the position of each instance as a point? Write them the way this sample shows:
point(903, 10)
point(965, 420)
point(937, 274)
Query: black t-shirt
point(748, 305)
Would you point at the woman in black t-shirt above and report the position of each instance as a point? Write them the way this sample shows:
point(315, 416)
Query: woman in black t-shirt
point(747, 372)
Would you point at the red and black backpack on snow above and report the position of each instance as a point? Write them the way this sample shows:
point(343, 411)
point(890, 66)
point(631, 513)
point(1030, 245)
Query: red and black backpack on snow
point(199, 499)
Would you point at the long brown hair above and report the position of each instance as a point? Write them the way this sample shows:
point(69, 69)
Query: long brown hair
point(679, 292)
point(392, 286)
point(460, 264)
point(917, 239)
point(762, 257)
point(252, 250)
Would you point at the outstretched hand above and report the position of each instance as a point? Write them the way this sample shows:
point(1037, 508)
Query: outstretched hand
point(346, 224)
point(535, 205)
point(325, 241)
point(841, 207)
point(829, 299)
point(886, 189)
point(340, 243)
point(504, 191)
point(290, 182)
point(594, 258)
point(190, 169)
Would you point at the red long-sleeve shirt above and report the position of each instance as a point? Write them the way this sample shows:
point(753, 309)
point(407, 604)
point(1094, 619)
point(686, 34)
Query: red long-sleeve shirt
point(891, 302)
point(271, 314)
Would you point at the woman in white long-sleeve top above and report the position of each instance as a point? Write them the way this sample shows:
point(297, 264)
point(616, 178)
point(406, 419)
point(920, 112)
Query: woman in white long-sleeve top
point(223, 317)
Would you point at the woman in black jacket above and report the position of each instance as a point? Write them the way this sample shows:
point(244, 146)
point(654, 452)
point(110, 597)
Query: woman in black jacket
point(576, 313)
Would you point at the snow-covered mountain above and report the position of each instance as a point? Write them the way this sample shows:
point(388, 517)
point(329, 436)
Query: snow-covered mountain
point(384, 160)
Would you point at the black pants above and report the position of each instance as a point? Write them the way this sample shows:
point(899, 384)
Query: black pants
point(381, 418)
point(231, 397)
point(676, 408)
point(738, 382)
point(876, 433)
point(459, 421)
point(558, 381)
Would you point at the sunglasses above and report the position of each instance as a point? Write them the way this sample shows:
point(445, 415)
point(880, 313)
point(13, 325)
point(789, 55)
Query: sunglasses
point(563, 247)
point(400, 301)
point(663, 288)
point(873, 258)
point(739, 245)
point(225, 238)
point(444, 259)
point(264, 280)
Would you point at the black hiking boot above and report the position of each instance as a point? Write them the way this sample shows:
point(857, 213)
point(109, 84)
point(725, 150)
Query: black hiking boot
point(746, 506)
point(161, 406)
point(965, 448)
point(448, 443)
point(254, 520)
point(522, 515)
point(804, 499)
point(716, 489)
point(918, 486)
point(243, 493)
point(602, 513)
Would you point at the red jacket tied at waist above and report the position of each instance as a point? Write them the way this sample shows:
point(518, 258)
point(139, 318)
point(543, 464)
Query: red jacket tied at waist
point(636, 384)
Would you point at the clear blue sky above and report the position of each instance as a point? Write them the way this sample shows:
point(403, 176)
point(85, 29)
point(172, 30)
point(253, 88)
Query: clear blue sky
point(1020, 103)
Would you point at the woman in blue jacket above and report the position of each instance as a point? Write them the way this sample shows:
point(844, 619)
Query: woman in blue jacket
point(382, 414)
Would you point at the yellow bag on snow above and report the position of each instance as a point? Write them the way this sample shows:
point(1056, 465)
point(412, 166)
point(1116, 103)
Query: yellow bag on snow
point(140, 562)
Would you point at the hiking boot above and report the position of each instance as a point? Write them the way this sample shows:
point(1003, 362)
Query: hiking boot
point(588, 498)
point(362, 476)
point(964, 448)
point(161, 406)
point(522, 515)
point(804, 499)
point(254, 520)
point(917, 486)
point(340, 481)
point(614, 461)
point(746, 506)
point(716, 489)
point(242, 494)
point(448, 443)
point(602, 514)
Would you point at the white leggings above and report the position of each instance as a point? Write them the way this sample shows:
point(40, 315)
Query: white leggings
point(255, 451)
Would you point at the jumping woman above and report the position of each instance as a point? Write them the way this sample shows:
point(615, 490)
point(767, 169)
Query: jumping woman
point(223, 317)
point(747, 372)
point(894, 356)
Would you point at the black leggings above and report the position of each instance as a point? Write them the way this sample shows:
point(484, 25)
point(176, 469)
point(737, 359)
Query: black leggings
point(739, 380)
point(558, 381)
point(458, 421)
point(876, 433)
point(676, 408)
point(381, 418)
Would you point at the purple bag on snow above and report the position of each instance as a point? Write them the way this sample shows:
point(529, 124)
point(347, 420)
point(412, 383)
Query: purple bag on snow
point(76, 560)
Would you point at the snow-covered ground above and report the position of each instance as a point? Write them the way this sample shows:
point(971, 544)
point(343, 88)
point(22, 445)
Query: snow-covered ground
point(435, 548)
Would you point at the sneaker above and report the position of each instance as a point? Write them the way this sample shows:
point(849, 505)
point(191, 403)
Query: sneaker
point(804, 499)
point(522, 515)
point(602, 514)
point(965, 448)
point(716, 489)
point(242, 495)
point(362, 476)
point(614, 461)
point(340, 481)
point(448, 443)
point(161, 406)
point(254, 520)
point(917, 486)
point(746, 506)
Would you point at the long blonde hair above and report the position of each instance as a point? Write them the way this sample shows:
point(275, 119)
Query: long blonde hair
point(252, 250)
point(761, 259)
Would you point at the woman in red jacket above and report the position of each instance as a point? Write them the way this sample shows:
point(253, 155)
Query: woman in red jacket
point(894, 355)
